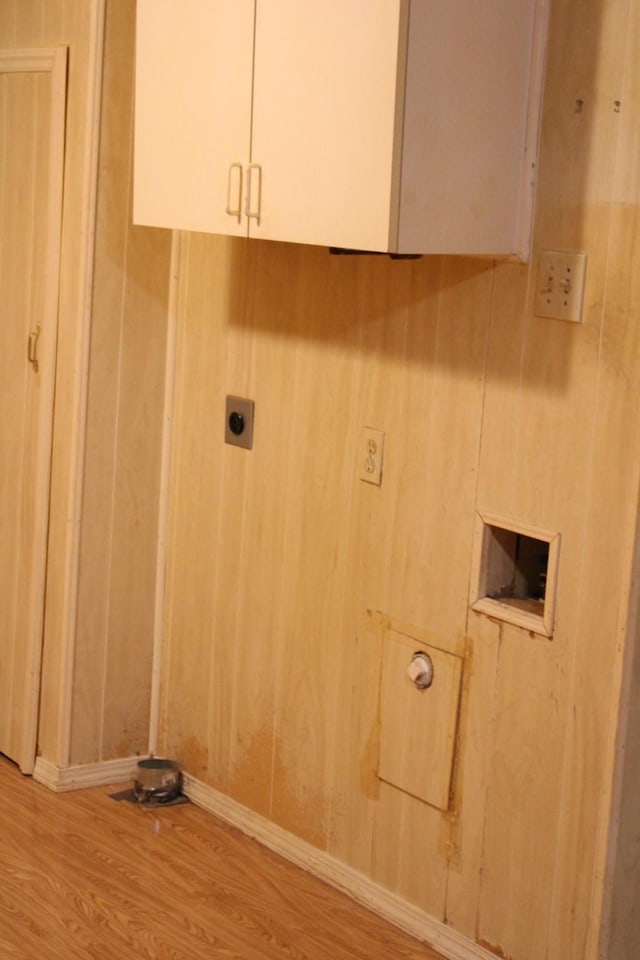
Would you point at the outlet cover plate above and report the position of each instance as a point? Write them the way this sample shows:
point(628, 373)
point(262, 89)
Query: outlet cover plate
point(371, 456)
point(238, 422)
point(560, 285)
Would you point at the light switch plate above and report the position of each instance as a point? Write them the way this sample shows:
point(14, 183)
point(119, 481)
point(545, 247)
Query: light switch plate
point(560, 285)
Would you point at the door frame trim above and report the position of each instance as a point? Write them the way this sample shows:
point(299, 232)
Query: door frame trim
point(61, 634)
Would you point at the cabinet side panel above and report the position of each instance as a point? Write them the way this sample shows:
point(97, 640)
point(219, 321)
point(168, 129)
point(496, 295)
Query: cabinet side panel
point(465, 127)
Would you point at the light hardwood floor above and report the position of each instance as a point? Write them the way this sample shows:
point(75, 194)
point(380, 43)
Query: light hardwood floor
point(84, 876)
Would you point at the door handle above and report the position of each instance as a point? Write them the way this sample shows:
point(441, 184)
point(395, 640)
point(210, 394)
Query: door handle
point(254, 203)
point(235, 211)
point(32, 348)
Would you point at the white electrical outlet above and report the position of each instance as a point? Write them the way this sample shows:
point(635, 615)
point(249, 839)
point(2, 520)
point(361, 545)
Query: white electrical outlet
point(371, 455)
point(560, 285)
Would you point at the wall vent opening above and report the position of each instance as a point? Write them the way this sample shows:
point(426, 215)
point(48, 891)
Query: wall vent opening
point(516, 570)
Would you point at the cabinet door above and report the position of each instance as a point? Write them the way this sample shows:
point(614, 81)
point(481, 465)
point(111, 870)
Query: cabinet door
point(193, 112)
point(324, 119)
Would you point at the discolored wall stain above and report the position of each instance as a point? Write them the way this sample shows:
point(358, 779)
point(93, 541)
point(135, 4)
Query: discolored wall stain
point(250, 775)
point(297, 807)
point(192, 756)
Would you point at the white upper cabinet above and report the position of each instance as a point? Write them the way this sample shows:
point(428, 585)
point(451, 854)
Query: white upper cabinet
point(194, 63)
point(405, 126)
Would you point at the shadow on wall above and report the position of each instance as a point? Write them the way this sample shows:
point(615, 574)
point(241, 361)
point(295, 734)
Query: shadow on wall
point(423, 311)
point(307, 292)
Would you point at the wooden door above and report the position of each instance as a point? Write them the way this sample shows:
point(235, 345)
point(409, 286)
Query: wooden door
point(324, 119)
point(32, 112)
point(193, 113)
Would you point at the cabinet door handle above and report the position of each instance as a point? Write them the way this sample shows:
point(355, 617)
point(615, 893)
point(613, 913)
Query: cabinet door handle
point(235, 211)
point(32, 348)
point(254, 197)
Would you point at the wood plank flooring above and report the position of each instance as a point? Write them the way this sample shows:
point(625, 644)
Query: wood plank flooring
point(84, 876)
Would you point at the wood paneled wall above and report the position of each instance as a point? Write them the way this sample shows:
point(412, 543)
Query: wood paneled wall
point(279, 558)
point(125, 402)
point(284, 570)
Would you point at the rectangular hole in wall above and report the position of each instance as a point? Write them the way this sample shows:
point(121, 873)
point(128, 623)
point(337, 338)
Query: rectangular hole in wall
point(517, 569)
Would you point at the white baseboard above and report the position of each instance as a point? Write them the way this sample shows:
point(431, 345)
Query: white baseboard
point(61, 779)
point(393, 908)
